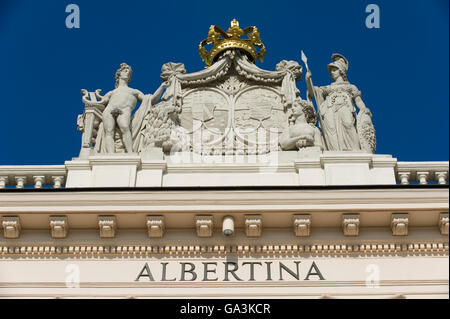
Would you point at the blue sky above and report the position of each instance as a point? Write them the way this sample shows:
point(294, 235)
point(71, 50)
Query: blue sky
point(402, 68)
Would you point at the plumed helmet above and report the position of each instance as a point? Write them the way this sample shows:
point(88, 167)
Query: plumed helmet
point(339, 62)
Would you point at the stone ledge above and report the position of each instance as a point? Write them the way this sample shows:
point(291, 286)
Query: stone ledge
point(154, 164)
point(115, 159)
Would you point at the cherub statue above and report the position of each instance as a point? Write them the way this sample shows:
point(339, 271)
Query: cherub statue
point(301, 131)
point(120, 102)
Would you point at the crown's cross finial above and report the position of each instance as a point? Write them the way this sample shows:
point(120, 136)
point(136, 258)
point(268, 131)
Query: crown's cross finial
point(231, 39)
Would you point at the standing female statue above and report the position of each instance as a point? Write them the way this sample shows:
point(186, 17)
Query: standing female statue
point(342, 129)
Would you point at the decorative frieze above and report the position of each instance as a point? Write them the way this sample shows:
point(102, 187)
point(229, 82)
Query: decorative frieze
point(253, 225)
point(204, 225)
point(155, 226)
point(107, 226)
point(399, 224)
point(350, 224)
point(318, 249)
point(11, 227)
point(444, 223)
point(302, 225)
point(59, 226)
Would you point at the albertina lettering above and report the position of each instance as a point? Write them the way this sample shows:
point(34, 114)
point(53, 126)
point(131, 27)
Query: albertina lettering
point(229, 271)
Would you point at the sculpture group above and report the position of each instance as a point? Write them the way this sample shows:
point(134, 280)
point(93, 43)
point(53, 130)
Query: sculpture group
point(231, 107)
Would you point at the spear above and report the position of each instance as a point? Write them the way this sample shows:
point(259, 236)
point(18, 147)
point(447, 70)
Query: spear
point(305, 61)
point(308, 97)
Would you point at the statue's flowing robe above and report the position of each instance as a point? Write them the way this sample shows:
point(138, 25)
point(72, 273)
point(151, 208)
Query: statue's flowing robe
point(139, 120)
point(338, 116)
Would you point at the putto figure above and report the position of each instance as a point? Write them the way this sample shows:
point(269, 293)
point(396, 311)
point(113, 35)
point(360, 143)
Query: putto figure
point(342, 129)
point(302, 131)
point(120, 102)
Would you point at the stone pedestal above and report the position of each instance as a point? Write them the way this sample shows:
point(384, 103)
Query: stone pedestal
point(151, 173)
point(309, 166)
point(344, 168)
point(78, 173)
point(115, 170)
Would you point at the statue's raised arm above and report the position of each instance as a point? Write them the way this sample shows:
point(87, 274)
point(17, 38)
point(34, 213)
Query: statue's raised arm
point(159, 91)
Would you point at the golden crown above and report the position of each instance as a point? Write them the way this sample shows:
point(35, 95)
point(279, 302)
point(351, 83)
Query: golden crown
point(231, 39)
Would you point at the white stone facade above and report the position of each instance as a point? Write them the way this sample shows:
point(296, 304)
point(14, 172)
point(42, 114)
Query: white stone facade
point(374, 262)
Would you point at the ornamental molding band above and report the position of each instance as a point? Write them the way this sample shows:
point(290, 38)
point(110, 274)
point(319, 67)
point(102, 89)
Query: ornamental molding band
point(167, 195)
point(198, 250)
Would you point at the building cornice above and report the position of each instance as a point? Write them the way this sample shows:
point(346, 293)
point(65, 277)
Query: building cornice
point(422, 208)
point(243, 199)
